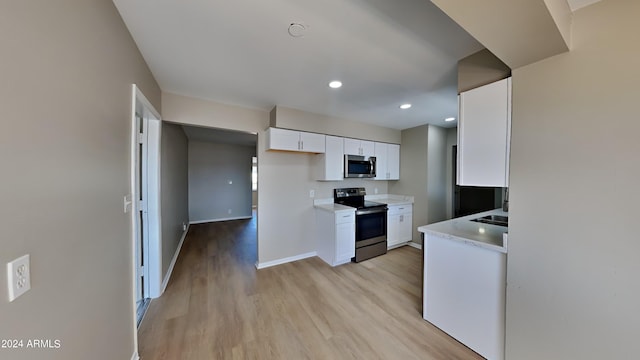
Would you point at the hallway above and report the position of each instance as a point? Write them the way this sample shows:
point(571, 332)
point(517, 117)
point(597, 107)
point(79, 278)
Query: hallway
point(218, 306)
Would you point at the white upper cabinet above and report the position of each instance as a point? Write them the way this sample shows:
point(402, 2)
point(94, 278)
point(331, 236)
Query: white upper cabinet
point(290, 140)
point(358, 147)
point(484, 133)
point(330, 165)
point(387, 161)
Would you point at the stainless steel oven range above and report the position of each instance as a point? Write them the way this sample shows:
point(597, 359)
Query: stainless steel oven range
point(371, 222)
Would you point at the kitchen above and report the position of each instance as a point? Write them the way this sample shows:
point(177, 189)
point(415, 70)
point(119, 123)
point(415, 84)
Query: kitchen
point(573, 181)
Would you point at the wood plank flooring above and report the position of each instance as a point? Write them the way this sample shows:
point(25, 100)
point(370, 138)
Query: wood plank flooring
point(218, 306)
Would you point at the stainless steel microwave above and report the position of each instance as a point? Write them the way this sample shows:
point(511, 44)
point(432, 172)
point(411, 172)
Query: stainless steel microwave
point(356, 166)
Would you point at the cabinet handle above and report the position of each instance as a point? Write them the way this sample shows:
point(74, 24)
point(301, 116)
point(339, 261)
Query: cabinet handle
point(346, 215)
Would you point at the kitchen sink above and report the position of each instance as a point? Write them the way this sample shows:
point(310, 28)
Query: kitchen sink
point(493, 220)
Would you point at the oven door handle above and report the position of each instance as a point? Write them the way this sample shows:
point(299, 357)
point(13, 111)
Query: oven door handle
point(372, 211)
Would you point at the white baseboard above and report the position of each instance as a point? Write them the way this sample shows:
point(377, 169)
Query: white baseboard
point(415, 245)
point(135, 356)
point(285, 260)
point(223, 219)
point(167, 276)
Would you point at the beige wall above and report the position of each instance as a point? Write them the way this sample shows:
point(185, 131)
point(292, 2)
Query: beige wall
point(573, 264)
point(174, 192)
point(436, 174)
point(288, 118)
point(64, 153)
point(413, 174)
point(479, 69)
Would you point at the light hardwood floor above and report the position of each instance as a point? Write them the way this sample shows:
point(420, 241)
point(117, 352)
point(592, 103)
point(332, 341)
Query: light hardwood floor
point(218, 306)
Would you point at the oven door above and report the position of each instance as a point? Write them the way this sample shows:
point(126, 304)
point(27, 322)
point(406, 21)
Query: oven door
point(371, 226)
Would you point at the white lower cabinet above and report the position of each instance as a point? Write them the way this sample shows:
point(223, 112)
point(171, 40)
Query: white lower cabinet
point(399, 225)
point(336, 236)
point(464, 287)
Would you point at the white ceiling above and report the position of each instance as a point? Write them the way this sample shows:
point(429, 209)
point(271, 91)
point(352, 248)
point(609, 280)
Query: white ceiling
point(239, 52)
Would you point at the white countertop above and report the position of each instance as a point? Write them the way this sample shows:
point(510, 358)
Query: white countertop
point(334, 207)
point(389, 199)
point(470, 232)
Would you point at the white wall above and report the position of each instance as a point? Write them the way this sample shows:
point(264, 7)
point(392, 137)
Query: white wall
point(573, 265)
point(211, 167)
point(174, 190)
point(65, 130)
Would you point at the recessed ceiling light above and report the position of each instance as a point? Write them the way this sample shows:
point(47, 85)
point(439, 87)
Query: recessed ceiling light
point(335, 84)
point(405, 106)
point(450, 119)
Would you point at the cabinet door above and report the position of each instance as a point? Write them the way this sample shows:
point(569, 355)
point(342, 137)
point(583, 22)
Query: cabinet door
point(345, 242)
point(281, 139)
point(393, 161)
point(483, 135)
point(351, 146)
point(393, 226)
point(367, 148)
point(406, 227)
point(310, 142)
point(330, 165)
point(380, 152)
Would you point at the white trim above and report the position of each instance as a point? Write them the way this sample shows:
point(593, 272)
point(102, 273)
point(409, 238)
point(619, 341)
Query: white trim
point(223, 219)
point(135, 356)
point(284, 260)
point(167, 276)
point(415, 245)
point(154, 216)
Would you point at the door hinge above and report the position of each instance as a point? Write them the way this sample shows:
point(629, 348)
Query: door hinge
point(141, 271)
point(140, 138)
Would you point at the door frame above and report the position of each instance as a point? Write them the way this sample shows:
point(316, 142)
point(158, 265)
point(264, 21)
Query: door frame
point(152, 270)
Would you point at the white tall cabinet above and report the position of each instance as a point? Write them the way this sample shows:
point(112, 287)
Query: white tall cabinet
point(484, 134)
point(387, 161)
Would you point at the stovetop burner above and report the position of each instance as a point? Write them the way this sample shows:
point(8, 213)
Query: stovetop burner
point(353, 197)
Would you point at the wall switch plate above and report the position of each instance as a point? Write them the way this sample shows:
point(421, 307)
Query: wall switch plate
point(229, 211)
point(312, 193)
point(18, 277)
point(375, 191)
point(127, 203)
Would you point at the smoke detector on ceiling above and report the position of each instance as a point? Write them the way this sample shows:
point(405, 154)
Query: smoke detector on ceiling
point(297, 29)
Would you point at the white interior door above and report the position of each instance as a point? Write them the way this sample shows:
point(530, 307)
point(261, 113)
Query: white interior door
point(141, 224)
point(144, 201)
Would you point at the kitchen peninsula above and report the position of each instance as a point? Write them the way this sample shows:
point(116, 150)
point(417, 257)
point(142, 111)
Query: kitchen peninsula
point(465, 280)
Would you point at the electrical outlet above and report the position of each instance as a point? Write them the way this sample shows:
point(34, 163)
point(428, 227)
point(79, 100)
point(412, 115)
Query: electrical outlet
point(375, 191)
point(229, 211)
point(312, 193)
point(18, 277)
point(184, 226)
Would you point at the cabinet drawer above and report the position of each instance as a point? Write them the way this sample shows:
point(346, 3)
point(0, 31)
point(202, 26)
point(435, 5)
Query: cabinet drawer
point(344, 217)
point(400, 209)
